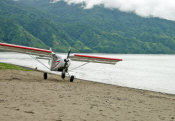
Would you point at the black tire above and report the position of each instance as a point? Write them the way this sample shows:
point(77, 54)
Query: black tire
point(45, 76)
point(63, 75)
point(71, 78)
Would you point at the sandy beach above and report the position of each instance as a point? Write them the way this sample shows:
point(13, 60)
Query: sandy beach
point(26, 96)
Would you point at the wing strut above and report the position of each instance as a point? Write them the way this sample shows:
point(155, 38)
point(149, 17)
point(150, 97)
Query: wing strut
point(80, 66)
point(39, 61)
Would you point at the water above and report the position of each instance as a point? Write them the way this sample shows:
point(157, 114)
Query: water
point(149, 72)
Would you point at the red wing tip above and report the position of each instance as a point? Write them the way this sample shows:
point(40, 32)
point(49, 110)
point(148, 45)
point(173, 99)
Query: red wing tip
point(89, 56)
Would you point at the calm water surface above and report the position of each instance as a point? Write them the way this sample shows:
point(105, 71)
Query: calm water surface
point(149, 72)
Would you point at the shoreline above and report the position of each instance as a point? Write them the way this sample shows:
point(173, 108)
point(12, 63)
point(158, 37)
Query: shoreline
point(164, 93)
point(27, 96)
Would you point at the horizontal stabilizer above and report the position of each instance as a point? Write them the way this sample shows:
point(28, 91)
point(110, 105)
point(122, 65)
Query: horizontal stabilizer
point(95, 59)
point(26, 50)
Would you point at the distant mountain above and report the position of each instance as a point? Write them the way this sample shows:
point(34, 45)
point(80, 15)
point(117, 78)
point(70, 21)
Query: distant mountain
point(40, 23)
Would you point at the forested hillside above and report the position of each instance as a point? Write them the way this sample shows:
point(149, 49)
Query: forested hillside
point(40, 23)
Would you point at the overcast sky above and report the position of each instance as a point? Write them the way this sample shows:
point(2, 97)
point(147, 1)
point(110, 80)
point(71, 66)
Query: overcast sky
point(146, 8)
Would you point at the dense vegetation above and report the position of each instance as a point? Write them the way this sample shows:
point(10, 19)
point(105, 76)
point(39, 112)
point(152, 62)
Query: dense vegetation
point(42, 24)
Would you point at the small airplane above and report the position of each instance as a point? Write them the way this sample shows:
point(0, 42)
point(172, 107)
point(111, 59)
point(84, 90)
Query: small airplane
point(57, 63)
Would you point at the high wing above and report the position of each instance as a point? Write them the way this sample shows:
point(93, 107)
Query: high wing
point(49, 54)
point(95, 59)
point(26, 50)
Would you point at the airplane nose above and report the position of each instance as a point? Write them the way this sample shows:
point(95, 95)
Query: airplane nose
point(66, 60)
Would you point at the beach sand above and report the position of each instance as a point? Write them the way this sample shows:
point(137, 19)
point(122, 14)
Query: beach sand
point(26, 96)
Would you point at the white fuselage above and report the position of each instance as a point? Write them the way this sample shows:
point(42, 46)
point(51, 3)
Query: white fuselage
point(58, 63)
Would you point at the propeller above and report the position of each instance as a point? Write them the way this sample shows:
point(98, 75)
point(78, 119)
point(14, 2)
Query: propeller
point(65, 64)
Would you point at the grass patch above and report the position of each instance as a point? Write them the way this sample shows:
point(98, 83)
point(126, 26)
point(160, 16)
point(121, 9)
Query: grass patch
point(12, 67)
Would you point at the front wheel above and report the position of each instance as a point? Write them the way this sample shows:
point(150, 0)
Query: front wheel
point(63, 75)
point(45, 76)
point(71, 78)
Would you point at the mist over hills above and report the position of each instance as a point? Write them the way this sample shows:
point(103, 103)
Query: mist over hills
point(40, 23)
